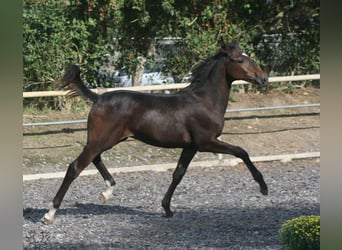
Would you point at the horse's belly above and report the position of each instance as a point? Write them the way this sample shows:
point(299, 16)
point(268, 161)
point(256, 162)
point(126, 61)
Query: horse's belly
point(169, 138)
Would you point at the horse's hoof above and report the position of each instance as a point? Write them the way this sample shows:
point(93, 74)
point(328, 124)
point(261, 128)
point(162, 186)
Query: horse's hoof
point(168, 214)
point(103, 198)
point(47, 219)
point(264, 191)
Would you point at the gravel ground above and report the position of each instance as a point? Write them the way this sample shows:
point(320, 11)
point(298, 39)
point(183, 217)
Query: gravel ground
point(216, 208)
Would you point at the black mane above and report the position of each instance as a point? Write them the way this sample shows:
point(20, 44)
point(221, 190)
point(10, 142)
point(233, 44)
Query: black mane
point(202, 70)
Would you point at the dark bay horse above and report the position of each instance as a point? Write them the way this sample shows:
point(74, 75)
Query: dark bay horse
point(191, 119)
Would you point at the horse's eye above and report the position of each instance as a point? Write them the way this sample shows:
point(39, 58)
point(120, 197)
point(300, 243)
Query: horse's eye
point(240, 61)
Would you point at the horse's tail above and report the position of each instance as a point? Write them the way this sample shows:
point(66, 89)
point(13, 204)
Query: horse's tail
point(72, 81)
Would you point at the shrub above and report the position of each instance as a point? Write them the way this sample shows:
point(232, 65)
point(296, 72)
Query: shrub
point(300, 233)
point(57, 33)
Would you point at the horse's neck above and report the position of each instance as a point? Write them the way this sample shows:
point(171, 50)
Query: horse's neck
point(218, 88)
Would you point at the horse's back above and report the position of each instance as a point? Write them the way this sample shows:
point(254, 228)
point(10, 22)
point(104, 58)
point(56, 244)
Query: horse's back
point(157, 119)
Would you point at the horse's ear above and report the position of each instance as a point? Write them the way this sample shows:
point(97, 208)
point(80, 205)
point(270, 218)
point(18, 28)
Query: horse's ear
point(235, 44)
point(223, 46)
point(234, 49)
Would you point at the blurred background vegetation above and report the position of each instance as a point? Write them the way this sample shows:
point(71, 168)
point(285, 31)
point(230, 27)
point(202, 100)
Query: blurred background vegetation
point(106, 35)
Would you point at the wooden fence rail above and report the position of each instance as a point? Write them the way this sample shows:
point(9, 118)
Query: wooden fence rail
point(168, 86)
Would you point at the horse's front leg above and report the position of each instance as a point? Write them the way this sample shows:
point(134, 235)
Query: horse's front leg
point(182, 165)
point(217, 146)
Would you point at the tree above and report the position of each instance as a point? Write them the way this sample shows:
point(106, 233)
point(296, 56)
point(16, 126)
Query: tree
point(145, 22)
point(281, 35)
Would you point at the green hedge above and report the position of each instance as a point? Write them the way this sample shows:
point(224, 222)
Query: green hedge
point(301, 233)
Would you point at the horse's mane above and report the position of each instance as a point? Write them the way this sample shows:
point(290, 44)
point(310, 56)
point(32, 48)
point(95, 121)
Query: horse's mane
point(200, 73)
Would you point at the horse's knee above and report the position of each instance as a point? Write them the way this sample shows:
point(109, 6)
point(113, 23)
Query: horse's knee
point(178, 173)
point(73, 171)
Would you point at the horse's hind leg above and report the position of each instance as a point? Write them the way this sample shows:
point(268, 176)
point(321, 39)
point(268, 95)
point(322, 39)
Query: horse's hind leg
point(182, 165)
point(74, 169)
point(217, 146)
point(108, 178)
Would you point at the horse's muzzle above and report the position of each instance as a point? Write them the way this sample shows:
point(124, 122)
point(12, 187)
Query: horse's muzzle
point(264, 81)
point(261, 81)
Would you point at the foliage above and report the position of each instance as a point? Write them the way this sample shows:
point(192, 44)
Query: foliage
point(57, 33)
point(301, 233)
point(282, 36)
point(200, 26)
point(194, 27)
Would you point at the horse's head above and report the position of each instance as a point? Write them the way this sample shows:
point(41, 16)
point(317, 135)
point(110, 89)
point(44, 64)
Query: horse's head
point(241, 67)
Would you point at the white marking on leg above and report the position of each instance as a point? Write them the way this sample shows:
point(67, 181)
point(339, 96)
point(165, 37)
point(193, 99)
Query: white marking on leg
point(108, 193)
point(49, 216)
